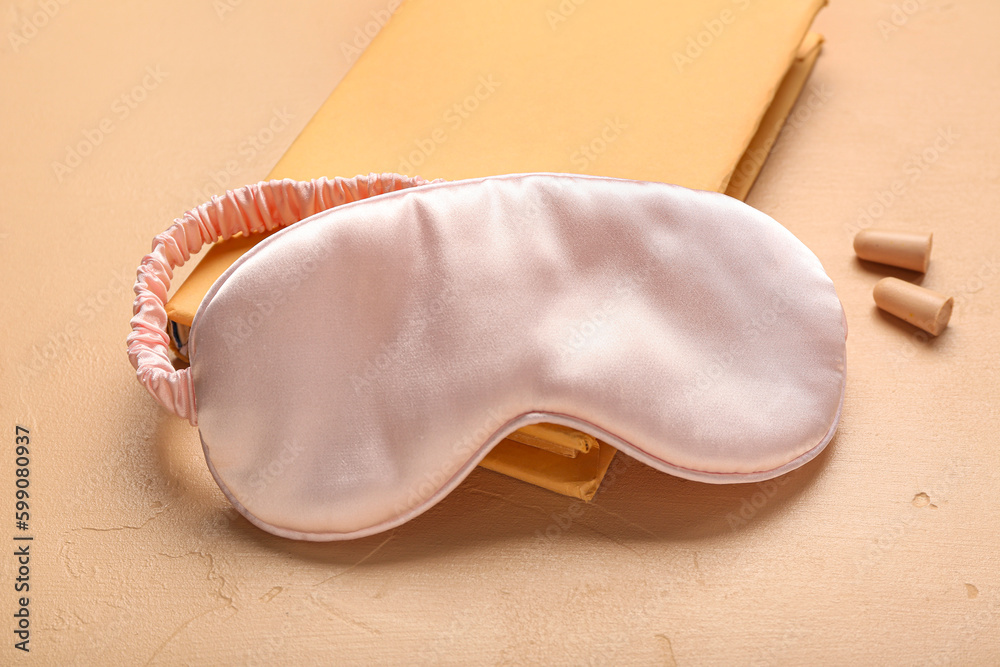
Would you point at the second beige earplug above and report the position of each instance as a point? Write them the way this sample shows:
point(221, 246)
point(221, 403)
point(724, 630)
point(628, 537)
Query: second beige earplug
point(907, 250)
point(919, 306)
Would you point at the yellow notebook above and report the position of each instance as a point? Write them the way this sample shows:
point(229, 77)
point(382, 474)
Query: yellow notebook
point(689, 92)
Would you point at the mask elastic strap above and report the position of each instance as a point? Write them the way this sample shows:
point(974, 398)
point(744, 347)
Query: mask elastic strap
point(252, 209)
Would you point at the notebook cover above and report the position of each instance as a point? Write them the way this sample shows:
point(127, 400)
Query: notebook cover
point(639, 89)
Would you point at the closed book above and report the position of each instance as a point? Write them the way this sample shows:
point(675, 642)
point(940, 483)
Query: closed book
point(685, 92)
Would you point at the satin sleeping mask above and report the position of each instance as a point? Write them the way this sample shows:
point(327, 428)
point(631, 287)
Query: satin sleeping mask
point(353, 368)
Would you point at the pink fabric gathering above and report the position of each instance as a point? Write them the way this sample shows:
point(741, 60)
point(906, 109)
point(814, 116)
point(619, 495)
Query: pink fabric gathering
point(253, 209)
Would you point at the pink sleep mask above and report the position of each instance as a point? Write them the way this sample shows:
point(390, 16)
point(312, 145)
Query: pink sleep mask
point(350, 370)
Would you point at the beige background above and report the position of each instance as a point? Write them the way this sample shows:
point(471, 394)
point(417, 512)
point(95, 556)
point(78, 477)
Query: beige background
point(884, 550)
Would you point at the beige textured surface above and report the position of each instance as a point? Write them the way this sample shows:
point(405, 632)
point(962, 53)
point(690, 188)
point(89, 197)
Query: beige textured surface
point(883, 551)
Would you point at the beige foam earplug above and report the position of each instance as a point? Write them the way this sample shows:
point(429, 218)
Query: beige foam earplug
point(907, 250)
point(919, 306)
